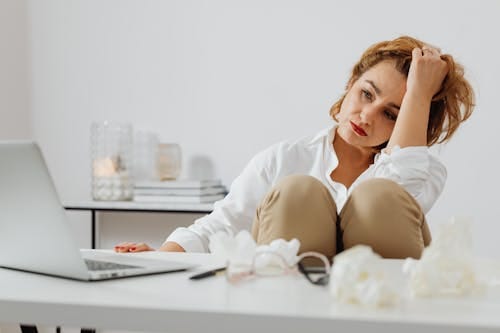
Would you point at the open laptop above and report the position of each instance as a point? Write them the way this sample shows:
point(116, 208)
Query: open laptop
point(35, 234)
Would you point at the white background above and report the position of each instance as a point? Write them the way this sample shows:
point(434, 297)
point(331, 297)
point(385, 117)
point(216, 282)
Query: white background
point(226, 79)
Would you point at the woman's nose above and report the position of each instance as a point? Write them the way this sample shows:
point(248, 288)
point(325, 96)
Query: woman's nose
point(367, 114)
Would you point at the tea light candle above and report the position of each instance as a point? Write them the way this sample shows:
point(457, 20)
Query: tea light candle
point(109, 182)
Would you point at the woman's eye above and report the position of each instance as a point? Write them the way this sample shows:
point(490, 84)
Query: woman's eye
point(389, 115)
point(366, 94)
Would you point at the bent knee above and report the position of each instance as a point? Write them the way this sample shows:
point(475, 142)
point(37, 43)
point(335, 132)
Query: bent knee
point(300, 184)
point(382, 214)
point(379, 192)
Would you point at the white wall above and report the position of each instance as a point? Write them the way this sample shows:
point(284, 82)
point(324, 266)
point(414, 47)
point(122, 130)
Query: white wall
point(228, 78)
point(14, 88)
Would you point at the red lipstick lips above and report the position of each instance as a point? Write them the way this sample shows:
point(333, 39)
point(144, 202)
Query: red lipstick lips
point(358, 129)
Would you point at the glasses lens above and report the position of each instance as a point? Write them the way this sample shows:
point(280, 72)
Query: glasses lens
point(313, 264)
point(315, 270)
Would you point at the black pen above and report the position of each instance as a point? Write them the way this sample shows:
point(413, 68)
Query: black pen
point(211, 272)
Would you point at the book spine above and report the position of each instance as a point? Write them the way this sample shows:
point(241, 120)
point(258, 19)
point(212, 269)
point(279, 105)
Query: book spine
point(179, 184)
point(178, 199)
point(180, 191)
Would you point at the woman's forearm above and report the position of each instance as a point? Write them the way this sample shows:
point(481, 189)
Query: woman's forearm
point(425, 77)
point(411, 126)
point(171, 247)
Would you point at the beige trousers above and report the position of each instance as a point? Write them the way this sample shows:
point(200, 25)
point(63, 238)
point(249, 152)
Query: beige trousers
point(378, 213)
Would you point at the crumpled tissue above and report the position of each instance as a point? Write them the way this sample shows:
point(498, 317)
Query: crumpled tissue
point(241, 249)
point(447, 266)
point(358, 277)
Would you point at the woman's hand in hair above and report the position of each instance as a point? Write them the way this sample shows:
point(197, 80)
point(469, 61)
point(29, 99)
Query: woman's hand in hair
point(427, 72)
point(425, 78)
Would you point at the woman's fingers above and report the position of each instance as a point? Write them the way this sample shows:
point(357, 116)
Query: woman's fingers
point(417, 53)
point(427, 71)
point(428, 50)
point(132, 247)
point(140, 247)
point(425, 51)
point(123, 247)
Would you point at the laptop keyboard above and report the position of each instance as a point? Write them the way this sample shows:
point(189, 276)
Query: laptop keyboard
point(95, 265)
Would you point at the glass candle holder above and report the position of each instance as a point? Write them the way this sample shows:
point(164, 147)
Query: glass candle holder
point(168, 161)
point(111, 150)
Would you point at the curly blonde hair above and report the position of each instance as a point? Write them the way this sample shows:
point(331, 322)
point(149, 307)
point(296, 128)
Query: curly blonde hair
point(453, 103)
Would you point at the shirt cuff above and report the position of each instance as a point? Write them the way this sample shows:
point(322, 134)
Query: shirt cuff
point(405, 162)
point(186, 238)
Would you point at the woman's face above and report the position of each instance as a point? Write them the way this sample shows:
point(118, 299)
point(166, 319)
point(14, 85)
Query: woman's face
point(370, 108)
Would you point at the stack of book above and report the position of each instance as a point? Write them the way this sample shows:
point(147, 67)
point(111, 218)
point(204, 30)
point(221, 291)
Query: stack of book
point(179, 191)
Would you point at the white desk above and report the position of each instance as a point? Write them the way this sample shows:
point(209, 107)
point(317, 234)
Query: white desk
point(172, 303)
point(130, 206)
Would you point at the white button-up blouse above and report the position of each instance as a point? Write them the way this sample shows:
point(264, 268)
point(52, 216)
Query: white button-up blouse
point(414, 168)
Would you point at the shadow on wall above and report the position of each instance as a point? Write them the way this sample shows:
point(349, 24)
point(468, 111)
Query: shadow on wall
point(200, 167)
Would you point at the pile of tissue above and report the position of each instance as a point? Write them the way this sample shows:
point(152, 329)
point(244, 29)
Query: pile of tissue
point(358, 274)
point(241, 249)
point(445, 268)
point(358, 277)
point(447, 265)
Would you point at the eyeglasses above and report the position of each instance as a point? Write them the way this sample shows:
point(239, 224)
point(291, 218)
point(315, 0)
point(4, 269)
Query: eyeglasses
point(268, 263)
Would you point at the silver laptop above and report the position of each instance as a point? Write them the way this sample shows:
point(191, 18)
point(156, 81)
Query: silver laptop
point(35, 234)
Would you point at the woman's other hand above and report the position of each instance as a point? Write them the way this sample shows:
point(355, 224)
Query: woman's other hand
point(427, 72)
point(132, 247)
point(126, 247)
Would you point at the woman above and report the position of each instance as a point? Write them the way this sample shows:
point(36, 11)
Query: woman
point(369, 179)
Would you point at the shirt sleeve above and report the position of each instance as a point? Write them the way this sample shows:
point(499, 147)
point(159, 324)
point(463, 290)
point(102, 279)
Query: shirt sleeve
point(236, 211)
point(416, 170)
